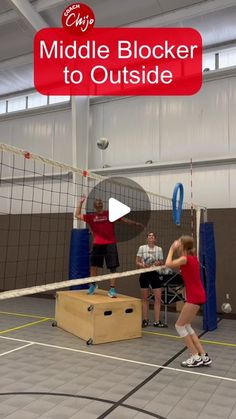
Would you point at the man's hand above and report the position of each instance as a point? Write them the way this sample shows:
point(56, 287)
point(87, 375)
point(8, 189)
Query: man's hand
point(131, 222)
point(141, 264)
point(79, 208)
point(139, 225)
point(82, 199)
point(158, 263)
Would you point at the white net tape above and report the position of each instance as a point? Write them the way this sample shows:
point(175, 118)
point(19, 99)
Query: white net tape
point(68, 168)
point(72, 282)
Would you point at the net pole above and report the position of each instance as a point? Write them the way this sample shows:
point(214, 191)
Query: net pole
point(198, 221)
point(191, 196)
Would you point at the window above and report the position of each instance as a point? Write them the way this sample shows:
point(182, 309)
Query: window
point(35, 100)
point(30, 101)
point(58, 99)
point(227, 57)
point(3, 106)
point(208, 61)
point(16, 103)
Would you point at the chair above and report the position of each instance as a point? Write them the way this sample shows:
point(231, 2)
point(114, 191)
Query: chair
point(173, 289)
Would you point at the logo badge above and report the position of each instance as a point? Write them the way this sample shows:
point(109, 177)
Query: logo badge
point(78, 18)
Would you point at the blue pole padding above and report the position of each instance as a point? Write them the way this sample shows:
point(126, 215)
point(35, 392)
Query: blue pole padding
point(79, 256)
point(208, 271)
point(177, 203)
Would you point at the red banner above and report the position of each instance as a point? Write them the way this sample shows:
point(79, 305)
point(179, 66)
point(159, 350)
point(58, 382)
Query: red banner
point(118, 61)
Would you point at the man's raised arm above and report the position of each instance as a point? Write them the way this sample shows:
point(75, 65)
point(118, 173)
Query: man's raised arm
point(79, 209)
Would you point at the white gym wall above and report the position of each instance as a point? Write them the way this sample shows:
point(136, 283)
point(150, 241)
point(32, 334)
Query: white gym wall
point(48, 134)
point(147, 128)
point(161, 129)
point(172, 129)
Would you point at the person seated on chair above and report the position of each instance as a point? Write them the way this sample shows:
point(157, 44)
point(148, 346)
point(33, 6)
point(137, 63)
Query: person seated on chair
point(150, 255)
point(104, 241)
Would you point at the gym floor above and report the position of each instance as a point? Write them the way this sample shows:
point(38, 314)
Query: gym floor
point(49, 373)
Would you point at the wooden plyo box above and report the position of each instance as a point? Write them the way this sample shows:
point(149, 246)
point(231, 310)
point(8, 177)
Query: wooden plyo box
point(98, 318)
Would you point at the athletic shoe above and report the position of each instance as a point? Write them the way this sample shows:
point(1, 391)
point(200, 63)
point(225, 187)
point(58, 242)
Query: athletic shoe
point(112, 293)
point(92, 289)
point(144, 323)
point(158, 324)
point(206, 359)
point(192, 362)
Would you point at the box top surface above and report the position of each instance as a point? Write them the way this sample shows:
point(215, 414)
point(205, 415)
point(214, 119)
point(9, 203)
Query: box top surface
point(100, 296)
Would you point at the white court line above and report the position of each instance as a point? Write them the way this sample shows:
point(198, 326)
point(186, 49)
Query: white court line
point(131, 361)
point(17, 349)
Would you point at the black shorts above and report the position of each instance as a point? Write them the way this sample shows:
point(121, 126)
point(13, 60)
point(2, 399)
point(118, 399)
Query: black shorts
point(107, 252)
point(150, 279)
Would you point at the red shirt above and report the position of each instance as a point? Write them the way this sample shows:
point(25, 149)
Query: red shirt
point(103, 230)
point(195, 292)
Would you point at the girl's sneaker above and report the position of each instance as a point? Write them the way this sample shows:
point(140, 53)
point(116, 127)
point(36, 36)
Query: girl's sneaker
point(192, 362)
point(206, 359)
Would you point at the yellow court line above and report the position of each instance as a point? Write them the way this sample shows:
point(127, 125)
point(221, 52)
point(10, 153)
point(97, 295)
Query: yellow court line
point(162, 334)
point(211, 342)
point(25, 315)
point(24, 325)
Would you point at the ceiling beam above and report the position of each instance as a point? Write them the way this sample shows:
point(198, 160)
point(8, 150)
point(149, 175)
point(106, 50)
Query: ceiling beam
point(31, 17)
point(39, 6)
point(15, 62)
point(185, 13)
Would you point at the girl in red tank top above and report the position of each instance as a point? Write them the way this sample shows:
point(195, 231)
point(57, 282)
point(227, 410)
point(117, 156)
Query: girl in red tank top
point(189, 267)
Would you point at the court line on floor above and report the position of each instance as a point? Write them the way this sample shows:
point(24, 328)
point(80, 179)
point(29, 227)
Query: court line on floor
point(46, 319)
point(211, 342)
point(33, 316)
point(144, 382)
point(115, 358)
point(144, 332)
point(16, 349)
point(77, 396)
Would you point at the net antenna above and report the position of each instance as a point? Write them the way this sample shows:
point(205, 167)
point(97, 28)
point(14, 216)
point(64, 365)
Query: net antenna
point(38, 197)
point(177, 203)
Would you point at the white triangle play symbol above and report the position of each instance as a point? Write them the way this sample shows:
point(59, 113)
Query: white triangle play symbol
point(117, 209)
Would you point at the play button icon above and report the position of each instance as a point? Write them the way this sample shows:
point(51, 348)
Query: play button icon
point(121, 197)
point(117, 210)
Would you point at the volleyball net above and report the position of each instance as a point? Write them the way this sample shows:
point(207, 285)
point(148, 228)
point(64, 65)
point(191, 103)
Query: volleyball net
point(38, 198)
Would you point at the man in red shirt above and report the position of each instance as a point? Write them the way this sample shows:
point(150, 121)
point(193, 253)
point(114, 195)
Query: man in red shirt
point(104, 241)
